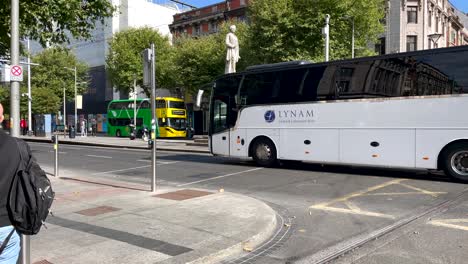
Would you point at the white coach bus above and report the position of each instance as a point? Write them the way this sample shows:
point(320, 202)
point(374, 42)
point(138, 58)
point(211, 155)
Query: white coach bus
point(407, 110)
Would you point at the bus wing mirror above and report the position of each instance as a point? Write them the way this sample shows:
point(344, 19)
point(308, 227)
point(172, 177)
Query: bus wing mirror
point(199, 98)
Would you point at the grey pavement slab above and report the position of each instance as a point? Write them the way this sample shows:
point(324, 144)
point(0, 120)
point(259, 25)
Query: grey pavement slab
point(148, 229)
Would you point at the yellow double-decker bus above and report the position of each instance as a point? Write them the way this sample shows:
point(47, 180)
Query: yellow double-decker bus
point(172, 117)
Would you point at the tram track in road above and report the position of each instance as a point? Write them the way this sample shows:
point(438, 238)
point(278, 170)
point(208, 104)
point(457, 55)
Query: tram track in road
point(333, 253)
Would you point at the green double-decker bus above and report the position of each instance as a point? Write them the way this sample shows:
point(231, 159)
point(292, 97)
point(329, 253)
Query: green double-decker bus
point(120, 114)
point(170, 111)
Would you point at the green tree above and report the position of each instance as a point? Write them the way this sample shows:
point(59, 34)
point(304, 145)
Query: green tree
point(56, 72)
point(54, 22)
point(284, 30)
point(125, 62)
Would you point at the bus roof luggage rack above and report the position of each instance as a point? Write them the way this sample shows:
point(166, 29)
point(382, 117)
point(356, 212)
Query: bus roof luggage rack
point(274, 65)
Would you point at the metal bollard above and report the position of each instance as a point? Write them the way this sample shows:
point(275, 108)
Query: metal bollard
point(56, 169)
point(25, 249)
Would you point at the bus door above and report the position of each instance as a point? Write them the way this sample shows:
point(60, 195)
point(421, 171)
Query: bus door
point(220, 136)
point(223, 114)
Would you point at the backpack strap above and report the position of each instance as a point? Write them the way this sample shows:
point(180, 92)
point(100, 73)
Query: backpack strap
point(5, 242)
point(24, 151)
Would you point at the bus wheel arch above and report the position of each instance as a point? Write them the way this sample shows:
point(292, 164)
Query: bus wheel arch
point(264, 151)
point(453, 159)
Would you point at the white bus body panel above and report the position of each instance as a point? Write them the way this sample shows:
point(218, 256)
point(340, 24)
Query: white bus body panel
point(237, 149)
point(395, 147)
point(431, 141)
point(411, 132)
point(220, 143)
point(323, 144)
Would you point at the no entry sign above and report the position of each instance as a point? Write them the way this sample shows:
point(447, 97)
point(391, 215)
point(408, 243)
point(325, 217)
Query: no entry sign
point(16, 73)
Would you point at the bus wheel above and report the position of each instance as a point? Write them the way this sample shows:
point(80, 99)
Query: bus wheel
point(118, 133)
point(264, 152)
point(456, 161)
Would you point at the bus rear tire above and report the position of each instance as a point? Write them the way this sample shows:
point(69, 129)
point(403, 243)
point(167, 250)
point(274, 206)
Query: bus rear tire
point(455, 161)
point(118, 133)
point(264, 152)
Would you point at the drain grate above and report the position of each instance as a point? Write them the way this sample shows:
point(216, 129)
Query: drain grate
point(182, 194)
point(97, 210)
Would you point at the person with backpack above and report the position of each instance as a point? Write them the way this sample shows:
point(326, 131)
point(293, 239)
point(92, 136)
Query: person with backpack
point(26, 195)
point(9, 162)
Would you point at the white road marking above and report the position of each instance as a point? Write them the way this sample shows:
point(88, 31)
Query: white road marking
point(112, 171)
point(218, 177)
point(60, 152)
point(159, 162)
point(97, 156)
point(133, 168)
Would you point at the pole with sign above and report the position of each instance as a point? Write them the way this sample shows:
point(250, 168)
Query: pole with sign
point(149, 79)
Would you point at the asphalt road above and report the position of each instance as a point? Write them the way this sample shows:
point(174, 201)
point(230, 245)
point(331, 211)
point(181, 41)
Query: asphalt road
point(330, 209)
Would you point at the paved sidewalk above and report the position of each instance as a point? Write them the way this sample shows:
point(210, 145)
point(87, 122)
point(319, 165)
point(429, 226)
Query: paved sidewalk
point(103, 141)
point(115, 222)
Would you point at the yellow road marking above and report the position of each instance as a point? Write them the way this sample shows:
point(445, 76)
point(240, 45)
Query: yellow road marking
point(359, 193)
point(433, 194)
point(352, 206)
point(349, 211)
point(397, 193)
point(450, 223)
point(354, 209)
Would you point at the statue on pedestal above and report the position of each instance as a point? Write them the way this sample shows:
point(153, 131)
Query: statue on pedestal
point(232, 56)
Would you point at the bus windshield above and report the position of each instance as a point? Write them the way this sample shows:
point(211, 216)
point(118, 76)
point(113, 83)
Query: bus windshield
point(176, 104)
point(177, 123)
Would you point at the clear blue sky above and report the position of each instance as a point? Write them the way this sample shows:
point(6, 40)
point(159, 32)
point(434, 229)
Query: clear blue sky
point(201, 3)
point(460, 4)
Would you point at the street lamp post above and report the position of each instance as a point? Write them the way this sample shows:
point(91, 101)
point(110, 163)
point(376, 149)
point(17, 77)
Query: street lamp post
point(352, 41)
point(64, 113)
point(76, 111)
point(326, 34)
point(29, 92)
point(352, 35)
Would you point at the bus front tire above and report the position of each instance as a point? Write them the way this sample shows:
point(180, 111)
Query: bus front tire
point(264, 152)
point(456, 161)
point(118, 133)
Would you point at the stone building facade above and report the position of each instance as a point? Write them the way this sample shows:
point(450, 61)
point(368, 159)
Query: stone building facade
point(206, 20)
point(422, 24)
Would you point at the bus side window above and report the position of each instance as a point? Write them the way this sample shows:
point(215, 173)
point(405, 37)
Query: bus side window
point(317, 85)
point(257, 88)
point(291, 85)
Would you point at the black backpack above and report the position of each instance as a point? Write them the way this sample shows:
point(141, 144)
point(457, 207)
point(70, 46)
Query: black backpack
point(31, 194)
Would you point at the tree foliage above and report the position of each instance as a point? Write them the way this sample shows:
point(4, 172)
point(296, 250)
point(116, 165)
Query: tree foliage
point(48, 81)
point(284, 30)
point(124, 60)
point(54, 22)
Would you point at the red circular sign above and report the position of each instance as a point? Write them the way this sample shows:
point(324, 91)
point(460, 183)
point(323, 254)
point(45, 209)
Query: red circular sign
point(16, 70)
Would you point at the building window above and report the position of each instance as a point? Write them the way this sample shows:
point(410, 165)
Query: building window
point(411, 43)
point(242, 2)
point(429, 19)
point(214, 9)
point(213, 26)
point(196, 30)
point(437, 24)
point(412, 14)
